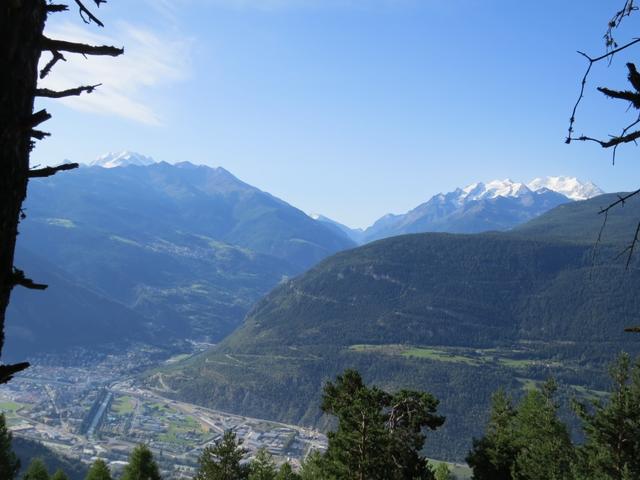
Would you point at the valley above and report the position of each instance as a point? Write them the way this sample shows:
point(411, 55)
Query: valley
point(290, 303)
point(100, 410)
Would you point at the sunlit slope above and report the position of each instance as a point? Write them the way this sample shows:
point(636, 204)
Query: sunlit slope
point(459, 315)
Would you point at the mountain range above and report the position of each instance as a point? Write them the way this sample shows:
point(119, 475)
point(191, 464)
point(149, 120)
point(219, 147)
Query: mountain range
point(479, 207)
point(139, 250)
point(458, 315)
point(181, 250)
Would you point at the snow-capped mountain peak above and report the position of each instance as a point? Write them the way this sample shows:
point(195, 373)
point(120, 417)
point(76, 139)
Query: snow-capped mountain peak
point(570, 187)
point(121, 159)
point(493, 189)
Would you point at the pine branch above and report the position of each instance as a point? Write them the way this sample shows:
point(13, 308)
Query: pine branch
point(628, 95)
point(49, 171)
point(81, 48)
point(45, 92)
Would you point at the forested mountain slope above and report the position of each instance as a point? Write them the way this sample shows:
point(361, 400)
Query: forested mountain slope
point(187, 247)
point(459, 315)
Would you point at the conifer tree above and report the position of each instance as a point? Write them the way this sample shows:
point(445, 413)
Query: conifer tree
point(379, 435)
point(141, 465)
point(262, 466)
point(59, 475)
point(99, 471)
point(286, 473)
point(37, 471)
point(443, 472)
point(314, 468)
point(222, 461)
point(545, 451)
point(9, 463)
point(493, 455)
point(612, 429)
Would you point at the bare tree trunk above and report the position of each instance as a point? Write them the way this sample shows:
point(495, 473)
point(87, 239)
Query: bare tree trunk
point(21, 28)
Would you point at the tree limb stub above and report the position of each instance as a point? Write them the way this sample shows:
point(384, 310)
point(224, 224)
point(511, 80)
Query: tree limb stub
point(45, 92)
point(37, 118)
point(8, 371)
point(39, 134)
point(81, 48)
point(49, 171)
point(18, 278)
point(53, 8)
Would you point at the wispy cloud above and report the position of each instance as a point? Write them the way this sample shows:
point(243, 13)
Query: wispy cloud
point(151, 61)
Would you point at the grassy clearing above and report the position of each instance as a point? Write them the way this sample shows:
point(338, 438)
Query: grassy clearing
point(10, 407)
point(441, 356)
point(123, 406)
point(512, 358)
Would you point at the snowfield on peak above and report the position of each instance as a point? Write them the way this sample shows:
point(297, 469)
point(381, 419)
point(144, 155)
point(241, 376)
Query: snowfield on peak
point(570, 187)
point(493, 189)
point(122, 159)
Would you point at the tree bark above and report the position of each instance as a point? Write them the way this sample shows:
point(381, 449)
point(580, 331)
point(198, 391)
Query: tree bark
point(21, 32)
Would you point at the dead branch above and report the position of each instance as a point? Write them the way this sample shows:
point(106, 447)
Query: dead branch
point(631, 247)
point(8, 371)
point(616, 20)
point(81, 48)
point(39, 134)
point(53, 8)
point(583, 83)
point(49, 171)
point(47, 68)
point(37, 118)
point(631, 137)
point(620, 201)
point(86, 14)
point(18, 278)
point(45, 92)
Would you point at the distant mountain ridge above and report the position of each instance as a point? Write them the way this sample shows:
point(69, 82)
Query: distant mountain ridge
point(180, 249)
point(478, 207)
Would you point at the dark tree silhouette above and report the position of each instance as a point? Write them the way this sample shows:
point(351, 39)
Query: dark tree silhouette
point(22, 42)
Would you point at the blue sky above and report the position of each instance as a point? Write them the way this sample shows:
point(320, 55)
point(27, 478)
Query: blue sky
point(349, 108)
